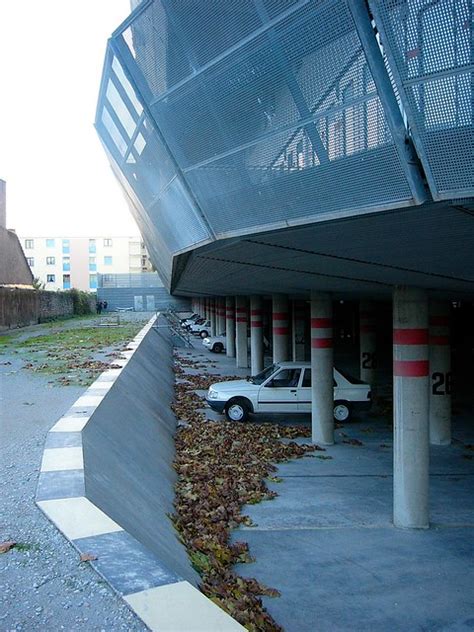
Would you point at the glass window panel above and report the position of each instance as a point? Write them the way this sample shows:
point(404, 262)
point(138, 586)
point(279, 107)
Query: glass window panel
point(113, 130)
point(117, 68)
point(120, 108)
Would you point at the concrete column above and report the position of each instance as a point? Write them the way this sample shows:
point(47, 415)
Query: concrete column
point(220, 316)
point(212, 309)
point(440, 371)
point(410, 408)
point(241, 317)
point(322, 364)
point(207, 308)
point(298, 337)
point(256, 334)
point(280, 320)
point(230, 327)
point(367, 337)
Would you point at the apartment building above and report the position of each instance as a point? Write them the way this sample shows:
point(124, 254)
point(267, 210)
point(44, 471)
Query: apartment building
point(62, 263)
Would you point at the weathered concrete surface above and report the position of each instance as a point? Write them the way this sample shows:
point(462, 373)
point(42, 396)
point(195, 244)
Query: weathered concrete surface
point(129, 449)
point(328, 544)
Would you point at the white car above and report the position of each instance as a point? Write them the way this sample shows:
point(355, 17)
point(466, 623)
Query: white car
point(202, 329)
point(285, 387)
point(216, 344)
point(185, 322)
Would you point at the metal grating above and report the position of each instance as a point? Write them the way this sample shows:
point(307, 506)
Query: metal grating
point(429, 48)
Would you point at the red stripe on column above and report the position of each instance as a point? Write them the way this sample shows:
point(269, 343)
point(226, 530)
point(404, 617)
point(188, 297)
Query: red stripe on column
point(367, 329)
point(439, 340)
point(241, 320)
point(280, 315)
point(256, 324)
point(321, 323)
point(256, 312)
point(280, 331)
point(321, 343)
point(410, 336)
point(439, 321)
point(411, 368)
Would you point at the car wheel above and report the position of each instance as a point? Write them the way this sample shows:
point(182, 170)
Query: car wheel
point(237, 410)
point(342, 411)
point(218, 347)
point(203, 334)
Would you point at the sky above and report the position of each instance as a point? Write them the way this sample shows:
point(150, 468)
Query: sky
point(59, 182)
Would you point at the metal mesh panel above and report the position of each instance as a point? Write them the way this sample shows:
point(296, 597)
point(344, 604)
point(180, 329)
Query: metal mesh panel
point(278, 180)
point(429, 46)
point(160, 203)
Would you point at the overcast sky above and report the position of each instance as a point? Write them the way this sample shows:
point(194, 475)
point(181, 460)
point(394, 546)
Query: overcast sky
point(58, 178)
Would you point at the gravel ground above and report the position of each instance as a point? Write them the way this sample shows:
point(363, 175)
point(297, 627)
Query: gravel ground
point(43, 586)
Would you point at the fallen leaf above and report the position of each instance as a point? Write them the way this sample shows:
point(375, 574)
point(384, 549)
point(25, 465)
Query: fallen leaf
point(6, 546)
point(88, 557)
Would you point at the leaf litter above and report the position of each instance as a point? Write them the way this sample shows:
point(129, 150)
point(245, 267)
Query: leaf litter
point(221, 467)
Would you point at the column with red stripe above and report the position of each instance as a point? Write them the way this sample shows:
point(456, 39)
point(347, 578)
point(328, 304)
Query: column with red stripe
point(322, 373)
point(367, 339)
point(280, 321)
point(241, 326)
point(220, 316)
point(440, 372)
point(230, 327)
point(256, 334)
point(410, 408)
point(299, 327)
point(213, 316)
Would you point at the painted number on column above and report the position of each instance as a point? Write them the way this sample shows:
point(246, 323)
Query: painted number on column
point(442, 383)
point(368, 360)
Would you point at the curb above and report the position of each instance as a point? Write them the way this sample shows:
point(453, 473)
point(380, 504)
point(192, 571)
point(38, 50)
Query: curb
point(160, 598)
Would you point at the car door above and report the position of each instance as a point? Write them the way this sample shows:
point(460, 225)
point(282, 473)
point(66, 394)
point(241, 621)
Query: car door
point(304, 393)
point(279, 394)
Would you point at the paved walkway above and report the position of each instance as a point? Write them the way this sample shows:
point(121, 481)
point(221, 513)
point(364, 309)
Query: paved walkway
point(328, 544)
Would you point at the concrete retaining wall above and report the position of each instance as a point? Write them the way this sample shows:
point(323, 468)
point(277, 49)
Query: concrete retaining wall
point(128, 447)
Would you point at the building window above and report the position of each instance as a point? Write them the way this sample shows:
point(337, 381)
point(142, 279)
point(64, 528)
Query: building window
point(50, 278)
point(66, 247)
point(92, 245)
point(92, 264)
point(30, 261)
point(108, 243)
point(107, 261)
point(66, 264)
point(50, 243)
point(93, 281)
point(50, 261)
point(66, 281)
point(29, 244)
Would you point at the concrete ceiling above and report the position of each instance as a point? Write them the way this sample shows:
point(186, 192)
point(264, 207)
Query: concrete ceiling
point(429, 246)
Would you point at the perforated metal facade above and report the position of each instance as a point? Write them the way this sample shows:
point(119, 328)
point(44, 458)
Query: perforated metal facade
point(230, 118)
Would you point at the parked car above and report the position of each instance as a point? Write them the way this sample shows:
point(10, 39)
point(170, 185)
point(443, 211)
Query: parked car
point(190, 321)
point(216, 344)
point(201, 329)
point(285, 387)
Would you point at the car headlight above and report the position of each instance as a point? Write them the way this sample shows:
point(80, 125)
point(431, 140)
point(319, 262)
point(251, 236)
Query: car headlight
point(212, 394)
point(206, 341)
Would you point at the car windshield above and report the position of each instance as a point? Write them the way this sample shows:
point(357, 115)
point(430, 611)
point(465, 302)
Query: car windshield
point(350, 378)
point(261, 377)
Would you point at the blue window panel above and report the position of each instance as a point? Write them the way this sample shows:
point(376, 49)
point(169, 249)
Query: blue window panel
point(66, 266)
point(50, 243)
point(107, 261)
point(93, 281)
point(67, 285)
point(92, 267)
